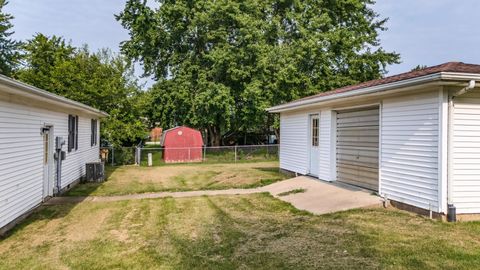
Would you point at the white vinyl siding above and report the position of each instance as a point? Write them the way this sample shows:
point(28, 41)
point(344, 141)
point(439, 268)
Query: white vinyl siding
point(21, 156)
point(409, 149)
point(466, 153)
point(325, 145)
point(294, 142)
point(294, 130)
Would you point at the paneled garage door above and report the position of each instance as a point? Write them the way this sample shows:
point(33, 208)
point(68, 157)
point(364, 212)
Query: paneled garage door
point(357, 147)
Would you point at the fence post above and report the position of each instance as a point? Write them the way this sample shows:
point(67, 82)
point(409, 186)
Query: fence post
point(189, 157)
point(135, 154)
point(113, 156)
point(150, 160)
point(139, 156)
point(204, 152)
point(235, 153)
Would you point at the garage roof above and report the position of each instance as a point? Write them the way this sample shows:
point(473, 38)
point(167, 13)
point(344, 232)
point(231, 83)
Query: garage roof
point(438, 72)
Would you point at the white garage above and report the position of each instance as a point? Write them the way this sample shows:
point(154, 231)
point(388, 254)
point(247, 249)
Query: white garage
point(412, 138)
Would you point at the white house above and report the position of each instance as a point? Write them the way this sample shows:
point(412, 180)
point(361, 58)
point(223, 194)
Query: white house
point(31, 120)
point(414, 137)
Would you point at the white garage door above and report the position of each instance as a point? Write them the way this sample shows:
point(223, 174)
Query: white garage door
point(357, 147)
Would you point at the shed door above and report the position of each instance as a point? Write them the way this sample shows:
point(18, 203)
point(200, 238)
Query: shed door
point(357, 147)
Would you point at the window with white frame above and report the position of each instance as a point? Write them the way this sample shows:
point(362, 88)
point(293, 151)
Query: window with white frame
point(315, 131)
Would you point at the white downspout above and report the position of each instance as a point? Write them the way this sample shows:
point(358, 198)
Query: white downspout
point(470, 86)
point(449, 149)
point(451, 108)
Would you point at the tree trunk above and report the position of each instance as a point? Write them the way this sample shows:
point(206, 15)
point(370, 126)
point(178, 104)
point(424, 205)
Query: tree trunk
point(214, 136)
point(277, 134)
point(272, 119)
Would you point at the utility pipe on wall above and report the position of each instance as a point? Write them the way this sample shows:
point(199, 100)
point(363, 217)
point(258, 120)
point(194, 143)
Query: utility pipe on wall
point(59, 157)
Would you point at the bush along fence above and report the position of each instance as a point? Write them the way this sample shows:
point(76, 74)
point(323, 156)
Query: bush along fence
point(152, 155)
point(118, 155)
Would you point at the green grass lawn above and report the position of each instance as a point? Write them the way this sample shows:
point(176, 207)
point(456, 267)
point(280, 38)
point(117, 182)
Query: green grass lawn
point(182, 177)
point(234, 232)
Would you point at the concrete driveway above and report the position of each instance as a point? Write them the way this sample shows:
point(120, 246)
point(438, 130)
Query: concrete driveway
point(322, 197)
point(319, 197)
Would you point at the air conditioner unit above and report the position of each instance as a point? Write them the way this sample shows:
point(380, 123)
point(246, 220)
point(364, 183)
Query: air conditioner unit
point(95, 172)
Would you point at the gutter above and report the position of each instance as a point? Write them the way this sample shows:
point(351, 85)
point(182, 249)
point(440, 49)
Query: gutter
point(29, 89)
point(375, 89)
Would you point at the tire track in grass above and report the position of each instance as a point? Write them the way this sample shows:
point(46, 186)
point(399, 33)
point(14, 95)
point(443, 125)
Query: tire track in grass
point(213, 249)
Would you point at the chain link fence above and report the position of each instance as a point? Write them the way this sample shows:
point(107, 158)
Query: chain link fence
point(115, 156)
point(156, 156)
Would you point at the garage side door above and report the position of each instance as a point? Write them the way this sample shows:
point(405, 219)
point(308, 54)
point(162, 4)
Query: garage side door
point(357, 147)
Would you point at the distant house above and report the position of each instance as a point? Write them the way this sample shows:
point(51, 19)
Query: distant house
point(182, 144)
point(155, 135)
point(413, 137)
point(33, 123)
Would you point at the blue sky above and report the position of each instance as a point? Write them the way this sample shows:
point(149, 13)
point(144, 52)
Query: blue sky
point(82, 21)
point(430, 32)
point(425, 32)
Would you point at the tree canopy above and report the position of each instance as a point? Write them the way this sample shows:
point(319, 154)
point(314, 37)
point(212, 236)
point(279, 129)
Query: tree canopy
point(101, 80)
point(220, 64)
point(8, 46)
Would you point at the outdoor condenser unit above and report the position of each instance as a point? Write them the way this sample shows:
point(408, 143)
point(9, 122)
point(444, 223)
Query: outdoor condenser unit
point(95, 172)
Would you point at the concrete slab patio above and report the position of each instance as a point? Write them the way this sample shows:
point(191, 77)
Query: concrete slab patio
point(319, 197)
point(323, 197)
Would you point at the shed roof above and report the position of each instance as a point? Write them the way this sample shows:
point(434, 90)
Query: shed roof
point(165, 132)
point(16, 87)
point(449, 67)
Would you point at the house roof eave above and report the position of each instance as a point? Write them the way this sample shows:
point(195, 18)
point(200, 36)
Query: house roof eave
point(26, 90)
point(423, 80)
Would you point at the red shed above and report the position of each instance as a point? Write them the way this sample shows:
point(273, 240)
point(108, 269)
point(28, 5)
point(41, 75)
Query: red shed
point(182, 144)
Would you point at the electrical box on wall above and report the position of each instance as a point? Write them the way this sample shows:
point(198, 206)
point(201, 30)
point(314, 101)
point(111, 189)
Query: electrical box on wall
point(61, 154)
point(59, 142)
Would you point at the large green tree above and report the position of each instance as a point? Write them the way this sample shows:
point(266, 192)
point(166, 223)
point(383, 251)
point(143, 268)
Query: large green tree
point(8, 46)
point(101, 80)
point(220, 63)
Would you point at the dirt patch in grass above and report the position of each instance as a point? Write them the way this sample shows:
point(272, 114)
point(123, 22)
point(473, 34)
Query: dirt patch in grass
point(133, 179)
point(290, 192)
point(234, 232)
point(87, 227)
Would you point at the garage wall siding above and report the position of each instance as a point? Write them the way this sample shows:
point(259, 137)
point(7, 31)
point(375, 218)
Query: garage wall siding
point(325, 146)
point(409, 152)
point(21, 156)
point(465, 159)
point(294, 142)
point(294, 154)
